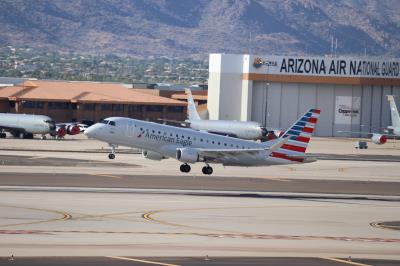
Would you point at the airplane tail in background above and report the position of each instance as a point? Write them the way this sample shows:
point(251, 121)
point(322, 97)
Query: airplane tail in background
point(393, 112)
point(192, 112)
point(299, 136)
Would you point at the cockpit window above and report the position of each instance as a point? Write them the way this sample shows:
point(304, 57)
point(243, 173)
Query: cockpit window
point(104, 121)
point(112, 123)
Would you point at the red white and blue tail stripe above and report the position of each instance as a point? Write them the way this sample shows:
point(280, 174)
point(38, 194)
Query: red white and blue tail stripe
point(299, 136)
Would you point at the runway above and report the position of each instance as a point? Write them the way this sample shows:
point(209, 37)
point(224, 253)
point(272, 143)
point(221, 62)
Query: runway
point(70, 203)
point(118, 224)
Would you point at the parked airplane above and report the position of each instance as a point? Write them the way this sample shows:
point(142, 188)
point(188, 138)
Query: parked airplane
point(239, 129)
point(394, 129)
point(188, 146)
point(394, 113)
point(25, 126)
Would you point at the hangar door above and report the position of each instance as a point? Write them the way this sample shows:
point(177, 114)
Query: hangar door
point(259, 102)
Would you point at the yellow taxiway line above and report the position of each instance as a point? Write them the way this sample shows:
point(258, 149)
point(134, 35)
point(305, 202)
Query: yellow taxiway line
point(142, 261)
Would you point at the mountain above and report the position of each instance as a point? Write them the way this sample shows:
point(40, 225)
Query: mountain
point(181, 28)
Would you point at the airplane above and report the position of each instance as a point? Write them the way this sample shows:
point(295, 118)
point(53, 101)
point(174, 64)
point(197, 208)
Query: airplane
point(188, 146)
point(394, 114)
point(239, 129)
point(25, 126)
point(379, 138)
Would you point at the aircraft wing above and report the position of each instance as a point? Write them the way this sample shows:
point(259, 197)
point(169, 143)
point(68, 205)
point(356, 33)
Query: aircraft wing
point(368, 133)
point(217, 153)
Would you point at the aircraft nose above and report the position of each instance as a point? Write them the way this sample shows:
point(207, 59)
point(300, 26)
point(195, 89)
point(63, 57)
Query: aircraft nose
point(90, 131)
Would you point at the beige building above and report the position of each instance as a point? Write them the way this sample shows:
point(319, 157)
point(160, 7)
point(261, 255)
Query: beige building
point(275, 90)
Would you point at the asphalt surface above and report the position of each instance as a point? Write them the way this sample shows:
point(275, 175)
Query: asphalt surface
point(201, 183)
point(189, 261)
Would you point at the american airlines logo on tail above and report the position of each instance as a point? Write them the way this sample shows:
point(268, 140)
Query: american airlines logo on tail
point(299, 136)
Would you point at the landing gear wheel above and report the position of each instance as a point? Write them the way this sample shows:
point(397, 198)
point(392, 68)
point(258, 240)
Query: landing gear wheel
point(185, 168)
point(3, 135)
point(43, 137)
point(112, 154)
point(207, 170)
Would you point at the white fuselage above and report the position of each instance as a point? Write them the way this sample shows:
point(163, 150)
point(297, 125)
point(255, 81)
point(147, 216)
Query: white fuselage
point(34, 124)
point(165, 140)
point(239, 129)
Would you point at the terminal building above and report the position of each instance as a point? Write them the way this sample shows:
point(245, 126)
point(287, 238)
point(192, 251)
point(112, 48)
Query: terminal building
point(67, 101)
point(276, 90)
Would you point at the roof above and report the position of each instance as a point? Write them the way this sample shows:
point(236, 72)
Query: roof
point(89, 92)
point(197, 95)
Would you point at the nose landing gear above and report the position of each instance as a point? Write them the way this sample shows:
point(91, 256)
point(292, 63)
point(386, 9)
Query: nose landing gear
point(185, 168)
point(111, 156)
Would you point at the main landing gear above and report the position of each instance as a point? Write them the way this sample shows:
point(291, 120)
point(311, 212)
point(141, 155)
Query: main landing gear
point(185, 168)
point(111, 156)
point(207, 170)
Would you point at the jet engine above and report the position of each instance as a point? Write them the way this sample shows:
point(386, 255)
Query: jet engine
point(274, 134)
point(379, 139)
point(59, 132)
point(187, 155)
point(72, 129)
point(151, 155)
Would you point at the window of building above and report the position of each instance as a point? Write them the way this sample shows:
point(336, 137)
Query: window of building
point(106, 107)
point(154, 108)
point(132, 108)
point(32, 104)
point(58, 105)
point(89, 106)
point(12, 104)
point(118, 107)
point(175, 109)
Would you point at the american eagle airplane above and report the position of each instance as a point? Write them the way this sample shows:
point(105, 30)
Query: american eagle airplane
point(189, 146)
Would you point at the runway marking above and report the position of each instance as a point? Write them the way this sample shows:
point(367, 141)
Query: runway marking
point(143, 261)
point(65, 216)
point(346, 261)
point(38, 157)
point(277, 179)
point(212, 235)
point(383, 226)
point(113, 176)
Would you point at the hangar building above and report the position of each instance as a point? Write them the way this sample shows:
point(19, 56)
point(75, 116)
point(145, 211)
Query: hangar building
point(275, 90)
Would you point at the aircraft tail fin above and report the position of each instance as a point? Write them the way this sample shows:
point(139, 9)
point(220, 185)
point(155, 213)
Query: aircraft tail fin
point(394, 112)
point(192, 112)
point(298, 135)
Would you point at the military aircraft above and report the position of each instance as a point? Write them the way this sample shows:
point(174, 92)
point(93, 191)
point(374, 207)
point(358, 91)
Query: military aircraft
point(393, 130)
point(239, 129)
point(188, 146)
point(25, 126)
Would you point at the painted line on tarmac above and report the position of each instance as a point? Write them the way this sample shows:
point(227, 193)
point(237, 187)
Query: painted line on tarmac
point(142, 261)
point(346, 262)
point(102, 175)
point(211, 193)
point(65, 216)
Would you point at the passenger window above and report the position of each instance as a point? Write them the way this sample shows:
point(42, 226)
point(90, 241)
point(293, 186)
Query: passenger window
point(159, 132)
point(201, 140)
point(219, 143)
point(153, 131)
point(212, 142)
point(224, 144)
point(188, 137)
